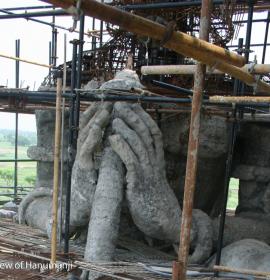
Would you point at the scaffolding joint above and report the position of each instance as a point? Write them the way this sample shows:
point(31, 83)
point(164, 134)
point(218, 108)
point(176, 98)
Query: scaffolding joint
point(76, 13)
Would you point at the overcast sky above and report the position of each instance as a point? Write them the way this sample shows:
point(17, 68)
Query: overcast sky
point(34, 46)
point(35, 39)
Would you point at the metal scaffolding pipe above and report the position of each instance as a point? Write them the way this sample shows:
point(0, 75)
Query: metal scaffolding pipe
point(71, 144)
point(193, 147)
point(41, 22)
point(17, 85)
point(179, 41)
point(265, 37)
point(45, 98)
point(190, 69)
point(167, 5)
point(58, 12)
point(228, 167)
point(182, 91)
point(28, 8)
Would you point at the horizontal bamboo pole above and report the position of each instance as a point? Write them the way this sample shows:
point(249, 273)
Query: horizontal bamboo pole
point(242, 271)
point(25, 60)
point(179, 42)
point(239, 99)
point(190, 69)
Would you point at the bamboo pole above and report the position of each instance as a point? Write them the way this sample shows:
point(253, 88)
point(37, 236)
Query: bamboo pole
point(209, 54)
point(25, 60)
point(190, 69)
point(57, 143)
point(179, 42)
point(239, 99)
point(242, 271)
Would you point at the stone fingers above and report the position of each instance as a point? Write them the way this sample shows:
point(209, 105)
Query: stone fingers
point(134, 142)
point(88, 118)
point(124, 112)
point(156, 135)
point(105, 214)
point(204, 241)
point(120, 147)
point(94, 134)
point(87, 115)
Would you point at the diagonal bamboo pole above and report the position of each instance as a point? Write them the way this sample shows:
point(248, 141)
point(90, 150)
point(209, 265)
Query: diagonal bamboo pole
point(209, 54)
point(180, 42)
point(25, 60)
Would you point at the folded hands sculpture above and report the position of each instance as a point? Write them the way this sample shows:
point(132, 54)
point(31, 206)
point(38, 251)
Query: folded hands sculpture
point(120, 158)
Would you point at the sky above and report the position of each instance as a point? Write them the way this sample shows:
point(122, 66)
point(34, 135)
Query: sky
point(34, 45)
point(35, 39)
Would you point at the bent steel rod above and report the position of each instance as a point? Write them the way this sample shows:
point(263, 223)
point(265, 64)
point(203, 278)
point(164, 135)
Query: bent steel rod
point(193, 147)
point(209, 54)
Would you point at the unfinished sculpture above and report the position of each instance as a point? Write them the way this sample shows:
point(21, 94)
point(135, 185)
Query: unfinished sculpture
point(120, 160)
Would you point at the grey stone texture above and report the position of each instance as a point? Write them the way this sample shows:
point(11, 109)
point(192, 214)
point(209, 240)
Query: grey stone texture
point(212, 158)
point(43, 152)
point(252, 167)
point(246, 254)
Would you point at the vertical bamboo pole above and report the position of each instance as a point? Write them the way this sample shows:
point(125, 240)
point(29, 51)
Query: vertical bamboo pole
point(193, 145)
point(57, 142)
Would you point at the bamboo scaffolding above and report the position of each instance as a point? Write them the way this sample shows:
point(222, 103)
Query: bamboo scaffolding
point(181, 42)
point(25, 60)
point(209, 54)
point(190, 69)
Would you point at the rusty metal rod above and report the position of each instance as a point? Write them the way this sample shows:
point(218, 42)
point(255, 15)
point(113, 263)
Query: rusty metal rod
point(179, 42)
point(193, 146)
point(190, 69)
point(57, 147)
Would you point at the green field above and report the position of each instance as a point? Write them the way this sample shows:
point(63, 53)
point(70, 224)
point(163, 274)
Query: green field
point(26, 171)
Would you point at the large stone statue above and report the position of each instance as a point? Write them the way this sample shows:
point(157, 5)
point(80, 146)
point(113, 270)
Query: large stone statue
point(120, 161)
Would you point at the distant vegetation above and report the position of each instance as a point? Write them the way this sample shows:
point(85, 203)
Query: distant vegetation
point(26, 170)
point(25, 138)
